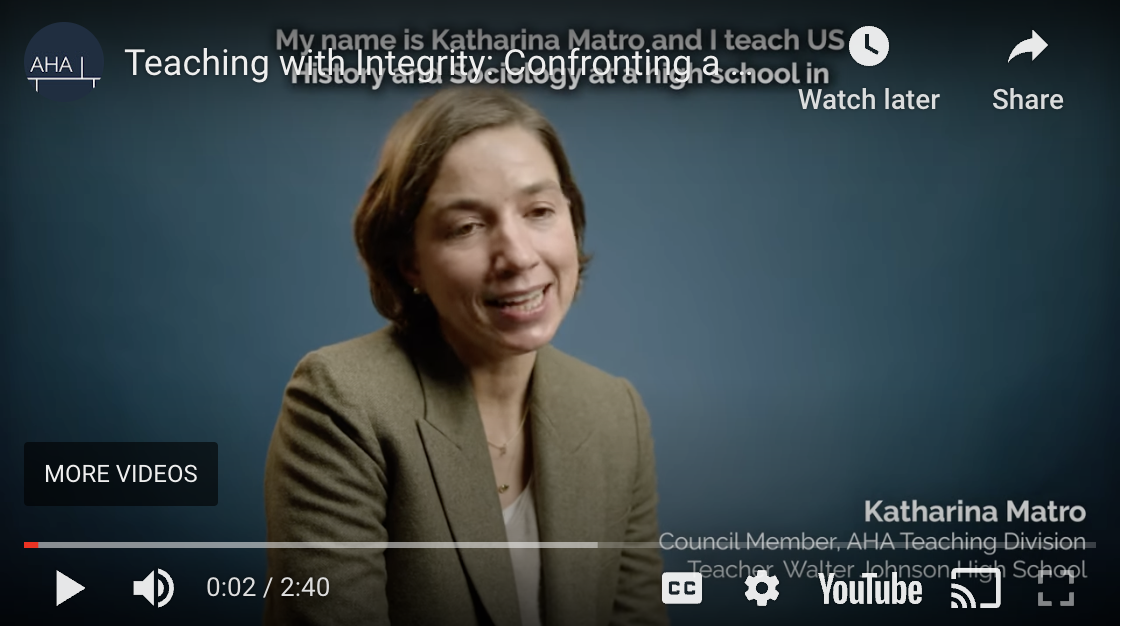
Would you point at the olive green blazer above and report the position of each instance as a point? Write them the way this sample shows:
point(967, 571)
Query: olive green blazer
point(378, 441)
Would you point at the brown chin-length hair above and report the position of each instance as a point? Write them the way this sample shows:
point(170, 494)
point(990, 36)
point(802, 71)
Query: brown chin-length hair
point(411, 158)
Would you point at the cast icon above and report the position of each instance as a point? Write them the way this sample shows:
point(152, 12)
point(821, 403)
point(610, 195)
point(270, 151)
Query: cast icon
point(961, 598)
point(154, 589)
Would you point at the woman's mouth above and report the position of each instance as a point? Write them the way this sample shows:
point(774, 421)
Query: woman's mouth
point(521, 303)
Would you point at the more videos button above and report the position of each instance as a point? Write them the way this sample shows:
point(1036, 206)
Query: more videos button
point(120, 474)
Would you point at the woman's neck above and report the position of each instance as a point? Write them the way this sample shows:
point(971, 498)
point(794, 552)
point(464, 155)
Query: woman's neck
point(500, 384)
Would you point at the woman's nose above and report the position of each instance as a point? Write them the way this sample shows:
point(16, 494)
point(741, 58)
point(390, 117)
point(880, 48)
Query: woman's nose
point(514, 248)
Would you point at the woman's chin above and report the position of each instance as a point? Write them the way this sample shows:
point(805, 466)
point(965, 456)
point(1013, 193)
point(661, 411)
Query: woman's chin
point(526, 340)
point(525, 331)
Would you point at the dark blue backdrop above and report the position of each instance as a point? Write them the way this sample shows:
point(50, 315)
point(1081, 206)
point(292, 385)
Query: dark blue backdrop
point(819, 308)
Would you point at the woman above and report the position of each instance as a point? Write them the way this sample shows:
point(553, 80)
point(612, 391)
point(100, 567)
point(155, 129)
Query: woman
point(460, 423)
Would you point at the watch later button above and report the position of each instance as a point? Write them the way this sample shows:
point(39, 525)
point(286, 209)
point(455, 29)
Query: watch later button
point(868, 45)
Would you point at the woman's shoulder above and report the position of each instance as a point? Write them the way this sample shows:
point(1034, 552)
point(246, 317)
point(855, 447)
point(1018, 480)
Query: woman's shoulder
point(372, 351)
point(368, 371)
point(585, 382)
point(566, 366)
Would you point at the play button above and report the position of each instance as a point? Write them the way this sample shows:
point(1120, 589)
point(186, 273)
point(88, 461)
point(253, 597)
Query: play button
point(65, 588)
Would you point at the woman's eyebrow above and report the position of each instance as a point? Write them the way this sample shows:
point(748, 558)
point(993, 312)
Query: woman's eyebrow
point(460, 204)
point(540, 186)
point(468, 203)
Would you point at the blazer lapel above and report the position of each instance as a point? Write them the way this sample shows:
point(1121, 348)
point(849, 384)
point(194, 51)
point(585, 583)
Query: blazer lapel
point(569, 501)
point(461, 467)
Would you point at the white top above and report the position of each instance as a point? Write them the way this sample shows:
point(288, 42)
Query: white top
point(521, 521)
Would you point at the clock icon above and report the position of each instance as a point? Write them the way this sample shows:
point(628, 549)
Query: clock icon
point(868, 45)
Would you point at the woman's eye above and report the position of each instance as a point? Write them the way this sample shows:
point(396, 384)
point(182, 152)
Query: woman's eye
point(463, 230)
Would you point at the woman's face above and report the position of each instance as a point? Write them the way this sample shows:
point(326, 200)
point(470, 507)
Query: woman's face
point(494, 245)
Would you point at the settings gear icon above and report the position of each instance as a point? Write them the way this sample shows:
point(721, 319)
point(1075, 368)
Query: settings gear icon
point(761, 576)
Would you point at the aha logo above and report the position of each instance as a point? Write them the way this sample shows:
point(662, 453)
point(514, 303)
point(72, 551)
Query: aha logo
point(681, 588)
point(63, 61)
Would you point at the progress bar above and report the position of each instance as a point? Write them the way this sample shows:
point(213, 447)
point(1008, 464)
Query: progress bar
point(444, 545)
point(335, 545)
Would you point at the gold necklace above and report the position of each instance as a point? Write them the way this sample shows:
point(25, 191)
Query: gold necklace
point(502, 448)
point(503, 487)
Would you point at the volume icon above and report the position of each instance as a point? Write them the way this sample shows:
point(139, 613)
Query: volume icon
point(153, 589)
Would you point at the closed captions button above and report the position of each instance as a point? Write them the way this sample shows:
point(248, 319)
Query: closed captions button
point(681, 588)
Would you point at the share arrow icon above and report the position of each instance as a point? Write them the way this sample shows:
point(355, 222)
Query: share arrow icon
point(65, 588)
point(1034, 44)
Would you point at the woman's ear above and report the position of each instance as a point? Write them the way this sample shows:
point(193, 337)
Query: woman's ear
point(408, 269)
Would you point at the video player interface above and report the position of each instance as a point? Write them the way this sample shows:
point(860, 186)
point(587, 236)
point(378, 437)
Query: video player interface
point(438, 313)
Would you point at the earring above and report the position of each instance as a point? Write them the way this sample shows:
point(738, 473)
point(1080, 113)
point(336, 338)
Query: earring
point(417, 291)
